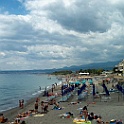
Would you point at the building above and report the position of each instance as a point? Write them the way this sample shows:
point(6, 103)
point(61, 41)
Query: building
point(119, 69)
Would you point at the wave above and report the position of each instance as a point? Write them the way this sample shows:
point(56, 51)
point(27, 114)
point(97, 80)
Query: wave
point(7, 88)
point(9, 108)
point(37, 92)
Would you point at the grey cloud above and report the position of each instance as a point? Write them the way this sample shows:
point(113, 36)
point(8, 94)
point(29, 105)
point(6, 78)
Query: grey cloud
point(56, 35)
point(81, 16)
point(12, 47)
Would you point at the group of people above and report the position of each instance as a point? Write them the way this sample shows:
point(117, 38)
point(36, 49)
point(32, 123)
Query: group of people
point(43, 104)
point(21, 103)
point(90, 116)
point(19, 119)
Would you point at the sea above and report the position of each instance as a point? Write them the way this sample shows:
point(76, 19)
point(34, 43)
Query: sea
point(16, 86)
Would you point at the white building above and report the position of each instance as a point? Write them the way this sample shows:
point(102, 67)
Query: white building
point(120, 67)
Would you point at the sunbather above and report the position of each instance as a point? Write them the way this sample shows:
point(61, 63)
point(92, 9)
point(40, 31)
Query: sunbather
point(44, 106)
point(91, 116)
point(3, 119)
point(99, 120)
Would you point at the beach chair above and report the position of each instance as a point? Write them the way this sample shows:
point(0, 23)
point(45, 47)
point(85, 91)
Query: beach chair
point(105, 98)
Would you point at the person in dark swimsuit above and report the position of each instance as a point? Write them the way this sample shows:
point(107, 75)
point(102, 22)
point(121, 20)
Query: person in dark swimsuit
point(36, 106)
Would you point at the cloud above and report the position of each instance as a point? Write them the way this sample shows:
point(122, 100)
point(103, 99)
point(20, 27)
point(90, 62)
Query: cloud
point(53, 33)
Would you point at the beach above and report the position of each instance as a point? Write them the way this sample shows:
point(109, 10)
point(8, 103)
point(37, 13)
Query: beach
point(108, 109)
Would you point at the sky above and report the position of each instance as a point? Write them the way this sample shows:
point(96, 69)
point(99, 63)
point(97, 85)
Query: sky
point(46, 34)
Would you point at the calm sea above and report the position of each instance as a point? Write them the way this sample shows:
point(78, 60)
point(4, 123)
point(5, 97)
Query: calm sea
point(14, 87)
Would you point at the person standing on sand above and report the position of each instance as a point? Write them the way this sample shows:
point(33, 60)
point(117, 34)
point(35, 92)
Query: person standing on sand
point(22, 103)
point(36, 106)
point(84, 113)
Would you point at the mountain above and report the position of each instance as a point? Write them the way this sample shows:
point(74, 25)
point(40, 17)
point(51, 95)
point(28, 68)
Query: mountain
point(104, 65)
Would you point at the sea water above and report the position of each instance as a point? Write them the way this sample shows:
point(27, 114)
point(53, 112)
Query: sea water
point(14, 87)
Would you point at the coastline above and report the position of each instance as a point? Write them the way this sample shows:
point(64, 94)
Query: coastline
point(110, 109)
point(12, 113)
point(29, 104)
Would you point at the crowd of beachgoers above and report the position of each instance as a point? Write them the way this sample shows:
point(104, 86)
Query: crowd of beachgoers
point(79, 100)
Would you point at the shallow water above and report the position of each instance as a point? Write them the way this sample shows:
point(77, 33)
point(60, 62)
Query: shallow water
point(14, 87)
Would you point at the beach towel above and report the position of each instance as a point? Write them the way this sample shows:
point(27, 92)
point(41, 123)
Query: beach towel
point(79, 108)
point(81, 121)
point(67, 115)
point(88, 122)
point(57, 108)
point(39, 115)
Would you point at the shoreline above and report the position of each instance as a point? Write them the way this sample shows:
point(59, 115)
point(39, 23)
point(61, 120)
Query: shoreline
point(22, 86)
point(29, 104)
point(12, 113)
point(111, 106)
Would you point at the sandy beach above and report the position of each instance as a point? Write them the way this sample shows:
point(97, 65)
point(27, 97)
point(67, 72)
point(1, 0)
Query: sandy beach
point(108, 109)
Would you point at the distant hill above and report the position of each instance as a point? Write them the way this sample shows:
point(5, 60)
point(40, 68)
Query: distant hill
point(105, 66)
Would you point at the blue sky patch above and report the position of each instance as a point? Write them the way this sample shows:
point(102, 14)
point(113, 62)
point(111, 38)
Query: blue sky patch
point(12, 6)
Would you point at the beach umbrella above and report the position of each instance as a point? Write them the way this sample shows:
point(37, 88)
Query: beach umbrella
point(105, 88)
point(72, 82)
point(77, 82)
point(81, 89)
point(83, 81)
point(91, 81)
point(94, 90)
point(62, 90)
